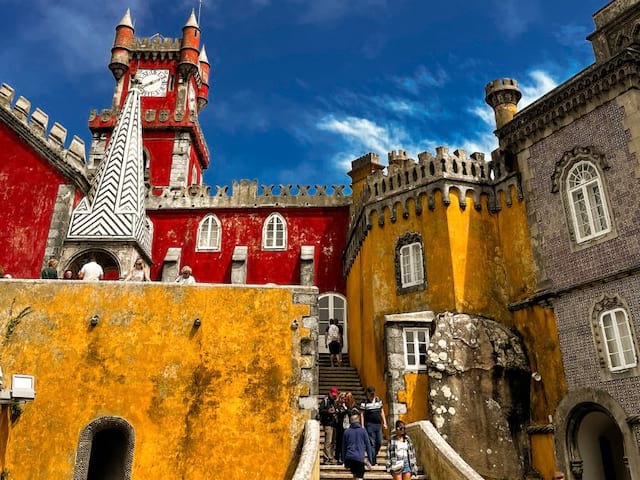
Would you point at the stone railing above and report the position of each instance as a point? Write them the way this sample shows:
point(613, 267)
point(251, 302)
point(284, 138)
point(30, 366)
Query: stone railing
point(309, 461)
point(439, 460)
point(33, 126)
point(245, 194)
point(156, 47)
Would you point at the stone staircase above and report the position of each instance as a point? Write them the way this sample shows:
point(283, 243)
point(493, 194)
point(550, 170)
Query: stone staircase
point(346, 378)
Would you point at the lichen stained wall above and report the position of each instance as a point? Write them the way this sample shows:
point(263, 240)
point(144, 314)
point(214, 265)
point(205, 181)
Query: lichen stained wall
point(28, 196)
point(218, 401)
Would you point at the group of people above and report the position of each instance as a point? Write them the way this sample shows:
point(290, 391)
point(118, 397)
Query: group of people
point(353, 435)
point(92, 271)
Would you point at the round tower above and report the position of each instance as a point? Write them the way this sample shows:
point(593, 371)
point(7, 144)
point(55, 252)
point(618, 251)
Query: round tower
point(189, 51)
point(122, 44)
point(503, 96)
point(205, 69)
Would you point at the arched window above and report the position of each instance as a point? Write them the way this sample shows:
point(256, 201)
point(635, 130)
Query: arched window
point(209, 232)
point(618, 340)
point(587, 202)
point(332, 305)
point(274, 233)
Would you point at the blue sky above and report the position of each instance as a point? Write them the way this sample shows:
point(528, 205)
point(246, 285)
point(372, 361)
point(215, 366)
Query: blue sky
point(301, 87)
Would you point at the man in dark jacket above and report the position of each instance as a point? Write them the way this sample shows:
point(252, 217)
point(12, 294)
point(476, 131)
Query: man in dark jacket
point(329, 419)
point(356, 448)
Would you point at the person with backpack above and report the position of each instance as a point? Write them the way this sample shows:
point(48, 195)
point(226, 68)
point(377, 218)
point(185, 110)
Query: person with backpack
point(333, 341)
point(329, 421)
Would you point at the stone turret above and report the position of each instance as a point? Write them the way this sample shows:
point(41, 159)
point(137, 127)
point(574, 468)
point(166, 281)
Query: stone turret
point(122, 44)
point(503, 96)
point(361, 168)
point(617, 27)
point(189, 47)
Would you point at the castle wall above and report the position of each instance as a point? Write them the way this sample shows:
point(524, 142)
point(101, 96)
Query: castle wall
point(323, 228)
point(197, 398)
point(159, 144)
point(29, 191)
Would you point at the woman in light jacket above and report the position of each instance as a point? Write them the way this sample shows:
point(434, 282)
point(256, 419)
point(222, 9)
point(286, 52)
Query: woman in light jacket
point(401, 455)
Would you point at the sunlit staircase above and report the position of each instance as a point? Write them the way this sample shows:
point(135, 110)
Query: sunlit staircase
point(346, 378)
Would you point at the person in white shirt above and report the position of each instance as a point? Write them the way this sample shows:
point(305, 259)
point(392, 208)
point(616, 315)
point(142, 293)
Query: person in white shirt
point(91, 271)
point(185, 277)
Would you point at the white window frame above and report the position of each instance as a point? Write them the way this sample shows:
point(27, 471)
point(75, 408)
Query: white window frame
point(205, 227)
point(413, 272)
point(415, 331)
point(613, 336)
point(272, 225)
point(588, 194)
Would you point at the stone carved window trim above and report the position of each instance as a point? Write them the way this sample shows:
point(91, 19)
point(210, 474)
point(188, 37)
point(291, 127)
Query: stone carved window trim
point(602, 306)
point(274, 224)
point(83, 454)
point(406, 240)
point(209, 233)
point(589, 156)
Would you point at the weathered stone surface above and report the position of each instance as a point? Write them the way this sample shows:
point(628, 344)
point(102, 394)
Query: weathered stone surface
point(479, 391)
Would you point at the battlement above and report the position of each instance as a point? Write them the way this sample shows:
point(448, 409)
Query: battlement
point(245, 193)
point(32, 126)
point(502, 90)
point(156, 46)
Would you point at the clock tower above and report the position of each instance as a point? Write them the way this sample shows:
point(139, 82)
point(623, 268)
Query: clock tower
point(174, 77)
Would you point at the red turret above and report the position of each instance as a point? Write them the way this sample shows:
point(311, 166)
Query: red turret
point(122, 46)
point(205, 68)
point(189, 50)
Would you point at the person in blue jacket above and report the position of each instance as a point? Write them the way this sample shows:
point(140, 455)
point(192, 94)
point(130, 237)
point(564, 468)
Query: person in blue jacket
point(356, 448)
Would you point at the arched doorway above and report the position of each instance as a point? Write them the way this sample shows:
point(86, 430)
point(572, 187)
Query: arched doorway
point(105, 450)
point(332, 305)
point(601, 447)
point(106, 260)
point(593, 438)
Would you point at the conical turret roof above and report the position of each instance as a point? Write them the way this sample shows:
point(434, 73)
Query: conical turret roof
point(192, 22)
point(203, 56)
point(126, 21)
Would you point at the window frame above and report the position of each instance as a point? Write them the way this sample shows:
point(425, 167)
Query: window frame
point(415, 331)
point(217, 244)
point(618, 340)
point(274, 219)
point(587, 196)
point(410, 247)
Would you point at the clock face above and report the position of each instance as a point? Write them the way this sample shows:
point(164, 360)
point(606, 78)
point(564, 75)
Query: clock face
point(154, 82)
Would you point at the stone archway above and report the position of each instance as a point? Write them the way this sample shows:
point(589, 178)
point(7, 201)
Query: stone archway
point(105, 450)
point(593, 439)
point(105, 259)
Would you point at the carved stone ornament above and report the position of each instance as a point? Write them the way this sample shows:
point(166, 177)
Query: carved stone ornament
point(573, 156)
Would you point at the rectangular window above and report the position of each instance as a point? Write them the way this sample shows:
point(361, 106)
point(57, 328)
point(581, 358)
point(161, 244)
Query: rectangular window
point(416, 343)
point(618, 340)
point(411, 265)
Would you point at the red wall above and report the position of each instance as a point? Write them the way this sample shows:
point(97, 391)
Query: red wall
point(324, 228)
point(159, 144)
point(28, 195)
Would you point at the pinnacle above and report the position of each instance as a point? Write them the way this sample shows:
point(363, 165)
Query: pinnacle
point(126, 21)
point(192, 22)
point(203, 56)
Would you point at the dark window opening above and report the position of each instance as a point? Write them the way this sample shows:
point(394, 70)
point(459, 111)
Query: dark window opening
point(108, 455)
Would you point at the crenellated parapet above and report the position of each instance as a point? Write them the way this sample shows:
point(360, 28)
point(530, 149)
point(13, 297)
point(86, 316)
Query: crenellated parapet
point(405, 185)
point(156, 47)
point(246, 193)
point(33, 127)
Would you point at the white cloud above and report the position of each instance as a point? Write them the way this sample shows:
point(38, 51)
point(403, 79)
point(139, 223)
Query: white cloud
point(421, 78)
point(540, 83)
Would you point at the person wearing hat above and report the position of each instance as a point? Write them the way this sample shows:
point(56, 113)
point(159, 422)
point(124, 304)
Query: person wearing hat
point(329, 421)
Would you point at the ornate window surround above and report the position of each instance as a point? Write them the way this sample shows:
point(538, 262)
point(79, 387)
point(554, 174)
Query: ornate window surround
point(559, 183)
point(606, 304)
point(214, 238)
point(274, 222)
point(83, 454)
point(404, 240)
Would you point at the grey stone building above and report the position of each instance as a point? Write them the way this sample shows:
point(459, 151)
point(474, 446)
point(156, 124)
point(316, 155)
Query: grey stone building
point(576, 150)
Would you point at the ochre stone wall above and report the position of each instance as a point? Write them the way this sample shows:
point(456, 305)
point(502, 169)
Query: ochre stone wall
point(218, 401)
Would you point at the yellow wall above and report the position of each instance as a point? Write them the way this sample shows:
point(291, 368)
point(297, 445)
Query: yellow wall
point(219, 401)
point(478, 263)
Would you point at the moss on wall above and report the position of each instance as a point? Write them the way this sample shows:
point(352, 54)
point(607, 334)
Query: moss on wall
point(199, 399)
